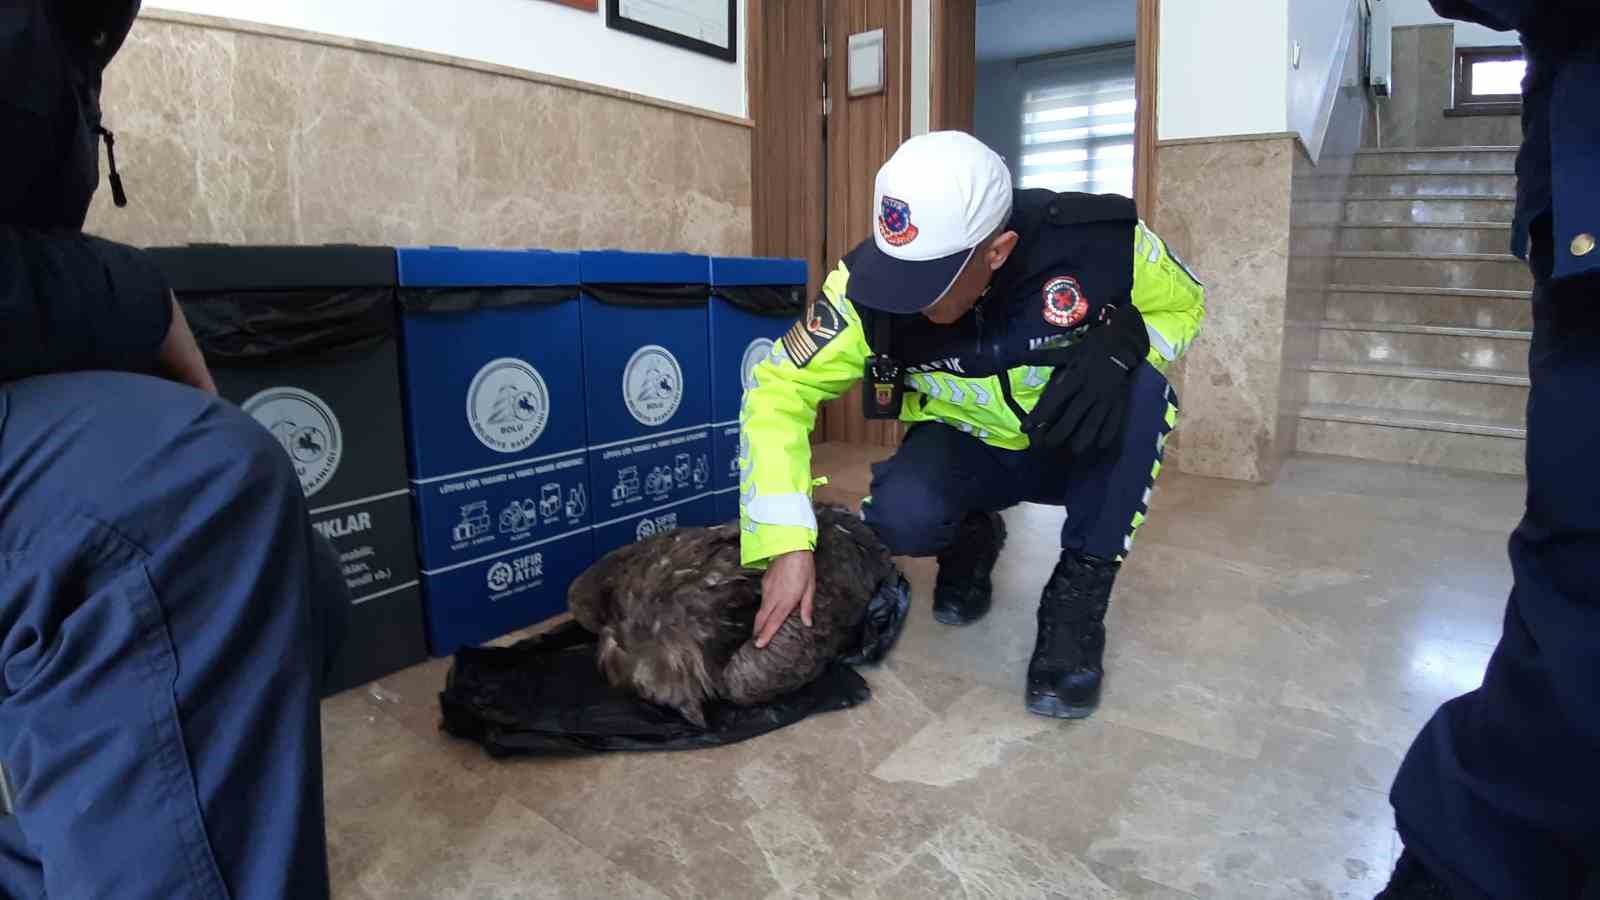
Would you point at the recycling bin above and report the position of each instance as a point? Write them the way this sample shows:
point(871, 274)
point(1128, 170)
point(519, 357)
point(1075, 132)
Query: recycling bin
point(303, 338)
point(753, 302)
point(495, 417)
point(646, 368)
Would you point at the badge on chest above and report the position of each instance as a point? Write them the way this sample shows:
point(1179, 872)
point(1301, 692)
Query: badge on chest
point(1065, 305)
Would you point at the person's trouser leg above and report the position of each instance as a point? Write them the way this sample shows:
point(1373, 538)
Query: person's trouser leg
point(166, 616)
point(1500, 794)
point(938, 475)
point(1107, 495)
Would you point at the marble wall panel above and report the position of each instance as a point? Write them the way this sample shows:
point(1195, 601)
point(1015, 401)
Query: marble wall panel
point(1225, 206)
point(240, 137)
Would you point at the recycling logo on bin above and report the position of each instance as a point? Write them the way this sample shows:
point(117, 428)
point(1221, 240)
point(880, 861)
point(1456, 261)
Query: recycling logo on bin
point(500, 576)
point(759, 349)
point(649, 527)
point(307, 429)
point(505, 575)
point(508, 405)
point(652, 385)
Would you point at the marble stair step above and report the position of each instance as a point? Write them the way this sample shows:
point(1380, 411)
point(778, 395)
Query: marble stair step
point(1434, 159)
point(1430, 346)
point(1405, 304)
point(1484, 394)
point(1494, 271)
point(1426, 237)
point(1435, 183)
point(1425, 373)
point(1361, 436)
point(1383, 208)
point(1398, 418)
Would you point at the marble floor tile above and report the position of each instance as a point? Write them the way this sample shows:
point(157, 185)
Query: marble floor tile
point(972, 859)
point(405, 822)
point(1216, 827)
point(1273, 650)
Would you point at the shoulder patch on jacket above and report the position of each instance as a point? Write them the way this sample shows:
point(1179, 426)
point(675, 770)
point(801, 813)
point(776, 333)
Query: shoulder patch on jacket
point(814, 331)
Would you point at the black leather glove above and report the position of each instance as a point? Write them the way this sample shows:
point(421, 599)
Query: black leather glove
point(1087, 397)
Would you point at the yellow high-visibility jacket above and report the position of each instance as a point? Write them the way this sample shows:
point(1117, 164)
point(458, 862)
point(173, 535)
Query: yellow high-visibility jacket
point(965, 375)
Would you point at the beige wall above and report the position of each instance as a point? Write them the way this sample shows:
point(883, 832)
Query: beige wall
point(1224, 206)
point(243, 134)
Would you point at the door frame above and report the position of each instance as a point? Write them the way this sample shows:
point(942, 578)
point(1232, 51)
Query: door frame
point(950, 88)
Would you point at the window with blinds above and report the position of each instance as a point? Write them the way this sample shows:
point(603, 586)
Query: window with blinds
point(1078, 114)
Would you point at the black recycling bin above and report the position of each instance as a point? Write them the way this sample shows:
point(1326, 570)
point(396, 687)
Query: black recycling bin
point(304, 339)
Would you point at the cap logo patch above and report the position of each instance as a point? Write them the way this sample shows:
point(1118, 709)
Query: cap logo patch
point(815, 330)
point(894, 222)
point(1064, 303)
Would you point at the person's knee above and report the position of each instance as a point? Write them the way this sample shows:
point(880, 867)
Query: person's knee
point(262, 457)
point(912, 516)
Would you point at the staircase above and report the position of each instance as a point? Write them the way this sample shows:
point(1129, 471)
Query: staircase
point(1423, 356)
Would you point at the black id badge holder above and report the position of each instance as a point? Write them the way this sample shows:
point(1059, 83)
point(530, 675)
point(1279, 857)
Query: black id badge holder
point(885, 387)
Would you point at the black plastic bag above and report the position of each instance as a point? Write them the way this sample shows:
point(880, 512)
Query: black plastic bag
point(778, 301)
point(265, 306)
point(544, 695)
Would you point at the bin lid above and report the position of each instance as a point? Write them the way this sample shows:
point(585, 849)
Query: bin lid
point(732, 271)
point(621, 267)
point(274, 267)
point(457, 267)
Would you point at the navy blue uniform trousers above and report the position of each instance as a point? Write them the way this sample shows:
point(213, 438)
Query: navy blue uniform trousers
point(940, 474)
point(166, 617)
point(1500, 794)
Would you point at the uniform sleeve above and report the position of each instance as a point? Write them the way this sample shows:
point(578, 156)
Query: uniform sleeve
point(1168, 295)
point(817, 360)
point(70, 302)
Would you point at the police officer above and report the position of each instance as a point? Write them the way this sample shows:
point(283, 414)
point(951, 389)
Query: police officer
point(166, 610)
point(1023, 334)
point(1500, 795)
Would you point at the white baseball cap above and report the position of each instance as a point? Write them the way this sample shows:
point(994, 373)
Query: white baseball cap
point(937, 198)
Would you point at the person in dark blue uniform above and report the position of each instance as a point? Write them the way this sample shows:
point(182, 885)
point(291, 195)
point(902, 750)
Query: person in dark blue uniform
point(1024, 336)
point(1499, 798)
point(166, 609)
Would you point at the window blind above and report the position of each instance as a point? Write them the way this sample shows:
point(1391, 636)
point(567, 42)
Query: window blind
point(1078, 116)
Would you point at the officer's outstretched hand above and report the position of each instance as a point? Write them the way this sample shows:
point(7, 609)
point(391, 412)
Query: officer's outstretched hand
point(791, 581)
point(1087, 397)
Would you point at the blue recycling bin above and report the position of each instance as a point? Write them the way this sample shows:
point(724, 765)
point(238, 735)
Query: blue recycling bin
point(497, 436)
point(647, 372)
point(753, 302)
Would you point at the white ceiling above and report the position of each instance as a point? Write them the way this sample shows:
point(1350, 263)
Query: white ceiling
point(1010, 29)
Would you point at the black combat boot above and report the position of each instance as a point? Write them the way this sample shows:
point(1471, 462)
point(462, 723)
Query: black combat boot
point(962, 593)
point(1065, 672)
point(1412, 882)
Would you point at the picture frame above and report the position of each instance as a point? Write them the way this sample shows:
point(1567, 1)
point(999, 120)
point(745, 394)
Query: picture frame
point(659, 28)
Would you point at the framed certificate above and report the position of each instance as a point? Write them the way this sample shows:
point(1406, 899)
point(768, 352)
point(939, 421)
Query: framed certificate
point(703, 26)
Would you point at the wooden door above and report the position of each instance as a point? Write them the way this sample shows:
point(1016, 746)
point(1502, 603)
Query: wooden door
point(863, 133)
point(953, 65)
point(786, 166)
